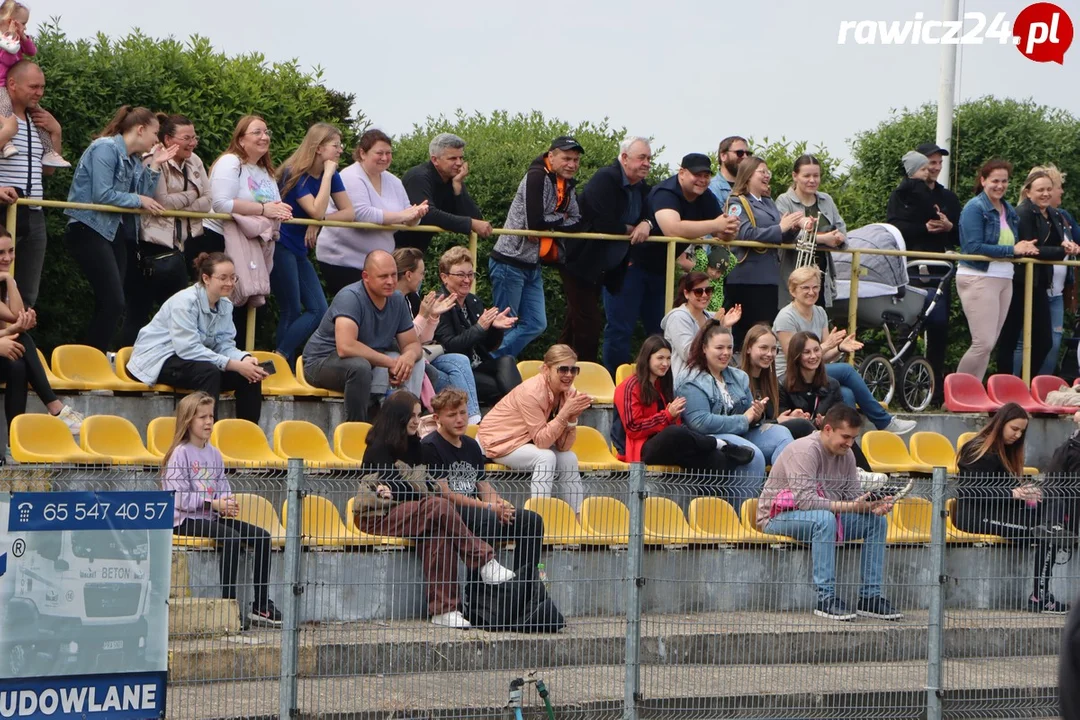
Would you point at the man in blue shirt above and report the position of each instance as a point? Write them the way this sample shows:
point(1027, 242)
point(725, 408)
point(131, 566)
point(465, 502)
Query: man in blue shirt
point(732, 151)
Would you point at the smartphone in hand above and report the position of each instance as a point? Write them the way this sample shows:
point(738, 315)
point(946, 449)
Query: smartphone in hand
point(268, 366)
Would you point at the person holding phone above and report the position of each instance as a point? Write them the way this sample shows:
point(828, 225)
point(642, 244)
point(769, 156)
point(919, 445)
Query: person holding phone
point(191, 342)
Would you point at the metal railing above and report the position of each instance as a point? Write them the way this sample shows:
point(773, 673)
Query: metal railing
point(670, 265)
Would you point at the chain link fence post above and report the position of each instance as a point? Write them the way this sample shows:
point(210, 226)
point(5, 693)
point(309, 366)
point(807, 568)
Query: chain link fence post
point(634, 583)
point(290, 620)
point(935, 627)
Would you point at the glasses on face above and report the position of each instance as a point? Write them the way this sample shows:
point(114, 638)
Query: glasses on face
point(335, 145)
point(463, 275)
point(702, 291)
point(809, 288)
point(187, 139)
point(260, 133)
point(568, 370)
point(741, 153)
point(225, 278)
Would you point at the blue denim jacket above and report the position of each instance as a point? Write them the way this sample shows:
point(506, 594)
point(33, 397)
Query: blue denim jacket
point(705, 411)
point(980, 228)
point(108, 175)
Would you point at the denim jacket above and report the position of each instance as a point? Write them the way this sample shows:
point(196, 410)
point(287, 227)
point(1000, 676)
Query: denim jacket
point(980, 228)
point(108, 175)
point(188, 327)
point(705, 411)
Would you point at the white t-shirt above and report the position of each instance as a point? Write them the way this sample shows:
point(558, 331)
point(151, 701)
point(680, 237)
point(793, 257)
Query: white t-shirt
point(789, 320)
point(232, 180)
point(1002, 270)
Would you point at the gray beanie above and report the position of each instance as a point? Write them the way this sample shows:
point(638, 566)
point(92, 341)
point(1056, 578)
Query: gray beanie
point(914, 161)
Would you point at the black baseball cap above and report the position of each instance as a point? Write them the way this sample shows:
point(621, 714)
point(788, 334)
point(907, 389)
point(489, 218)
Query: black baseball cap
point(696, 162)
point(566, 142)
point(930, 148)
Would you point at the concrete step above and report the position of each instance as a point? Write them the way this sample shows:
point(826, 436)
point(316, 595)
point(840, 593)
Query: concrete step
point(722, 639)
point(201, 617)
point(981, 688)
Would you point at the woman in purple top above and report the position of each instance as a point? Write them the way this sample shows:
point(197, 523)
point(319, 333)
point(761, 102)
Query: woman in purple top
point(307, 180)
point(377, 197)
point(205, 507)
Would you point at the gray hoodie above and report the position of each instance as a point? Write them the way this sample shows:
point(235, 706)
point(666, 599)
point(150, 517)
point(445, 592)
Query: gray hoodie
point(679, 328)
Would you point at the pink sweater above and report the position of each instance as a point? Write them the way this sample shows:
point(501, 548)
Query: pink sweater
point(8, 59)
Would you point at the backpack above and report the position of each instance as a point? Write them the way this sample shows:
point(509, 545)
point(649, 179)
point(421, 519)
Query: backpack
point(518, 605)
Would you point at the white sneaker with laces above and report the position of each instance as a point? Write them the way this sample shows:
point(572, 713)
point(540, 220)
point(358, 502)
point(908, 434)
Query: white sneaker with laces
point(495, 574)
point(900, 427)
point(72, 418)
point(452, 619)
point(52, 159)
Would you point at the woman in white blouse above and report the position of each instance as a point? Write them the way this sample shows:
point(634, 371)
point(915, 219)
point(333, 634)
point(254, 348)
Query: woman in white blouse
point(377, 197)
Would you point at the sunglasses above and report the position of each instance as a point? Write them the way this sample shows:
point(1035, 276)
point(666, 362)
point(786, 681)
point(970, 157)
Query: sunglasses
point(742, 153)
point(568, 370)
point(700, 292)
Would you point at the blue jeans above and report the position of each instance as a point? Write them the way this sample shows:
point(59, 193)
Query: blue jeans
point(1057, 327)
point(454, 370)
point(523, 292)
point(641, 296)
point(745, 481)
point(856, 394)
point(770, 439)
point(818, 527)
point(295, 285)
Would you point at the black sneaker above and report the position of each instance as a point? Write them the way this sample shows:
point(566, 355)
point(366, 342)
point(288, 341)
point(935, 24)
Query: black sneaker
point(1050, 605)
point(267, 616)
point(834, 609)
point(877, 607)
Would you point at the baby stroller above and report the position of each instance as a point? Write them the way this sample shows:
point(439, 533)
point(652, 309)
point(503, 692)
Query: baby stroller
point(889, 303)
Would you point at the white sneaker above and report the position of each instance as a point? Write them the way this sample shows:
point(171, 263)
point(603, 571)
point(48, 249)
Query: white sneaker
point(870, 481)
point(452, 619)
point(495, 574)
point(900, 427)
point(72, 418)
point(9, 150)
point(53, 160)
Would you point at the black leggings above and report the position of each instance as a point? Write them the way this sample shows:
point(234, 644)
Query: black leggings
point(1011, 519)
point(22, 374)
point(338, 276)
point(104, 264)
point(760, 303)
point(1042, 332)
point(205, 376)
point(142, 292)
point(230, 535)
point(495, 378)
point(526, 530)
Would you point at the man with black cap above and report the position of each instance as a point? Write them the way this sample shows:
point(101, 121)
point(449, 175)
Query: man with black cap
point(545, 200)
point(681, 206)
point(929, 222)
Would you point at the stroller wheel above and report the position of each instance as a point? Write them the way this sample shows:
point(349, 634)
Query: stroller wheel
point(917, 384)
point(880, 378)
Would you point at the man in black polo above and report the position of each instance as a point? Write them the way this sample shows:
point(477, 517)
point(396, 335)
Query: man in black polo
point(615, 202)
point(441, 182)
point(932, 224)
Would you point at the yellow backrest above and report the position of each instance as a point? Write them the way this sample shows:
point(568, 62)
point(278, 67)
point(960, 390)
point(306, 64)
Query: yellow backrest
point(159, 434)
point(748, 514)
point(606, 517)
point(82, 362)
point(41, 434)
point(592, 447)
point(914, 514)
point(714, 516)
point(622, 372)
point(595, 380)
point(300, 439)
point(283, 377)
point(321, 521)
point(123, 355)
point(885, 447)
point(663, 516)
point(471, 431)
point(963, 439)
point(931, 448)
point(241, 440)
point(350, 440)
point(111, 435)
point(257, 510)
point(528, 368)
point(560, 523)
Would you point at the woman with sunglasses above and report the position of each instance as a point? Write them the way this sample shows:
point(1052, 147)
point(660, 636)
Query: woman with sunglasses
point(534, 427)
point(689, 315)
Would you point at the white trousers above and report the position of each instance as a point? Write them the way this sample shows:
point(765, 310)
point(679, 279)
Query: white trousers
point(548, 467)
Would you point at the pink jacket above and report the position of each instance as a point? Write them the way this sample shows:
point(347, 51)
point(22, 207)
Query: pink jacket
point(249, 241)
point(8, 59)
point(527, 415)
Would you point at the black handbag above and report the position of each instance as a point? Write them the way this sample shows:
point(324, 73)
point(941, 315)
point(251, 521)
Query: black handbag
point(168, 264)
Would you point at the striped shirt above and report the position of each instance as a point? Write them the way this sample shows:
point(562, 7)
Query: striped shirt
point(23, 171)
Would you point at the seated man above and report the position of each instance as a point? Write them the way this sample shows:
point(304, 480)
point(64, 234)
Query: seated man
point(366, 343)
point(813, 495)
point(457, 463)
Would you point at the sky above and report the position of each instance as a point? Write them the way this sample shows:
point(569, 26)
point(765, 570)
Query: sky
point(686, 72)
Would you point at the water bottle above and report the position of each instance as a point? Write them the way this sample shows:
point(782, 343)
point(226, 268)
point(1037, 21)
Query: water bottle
point(541, 574)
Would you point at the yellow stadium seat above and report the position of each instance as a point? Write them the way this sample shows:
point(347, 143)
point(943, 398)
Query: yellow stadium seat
point(316, 392)
point(593, 451)
point(965, 437)
point(954, 534)
point(561, 526)
point(716, 518)
point(89, 367)
point(909, 521)
point(283, 382)
point(321, 525)
point(622, 372)
point(369, 539)
point(54, 382)
point(43, 438)
point(748, 515)
point(350, 441)
point(242, 444)
point(159, 434)
point(192, 543)
point(471, 431)
point(607, 519)
point(595, 380)
point(933, 449)
point(302, 439)
point(665, 524)
point(123, 355)
point(529, 368)
point(257, 510)
point(116, 438)
point(887, 453)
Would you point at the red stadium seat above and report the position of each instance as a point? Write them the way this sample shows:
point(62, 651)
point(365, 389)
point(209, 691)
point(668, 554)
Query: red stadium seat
point(1009, 388)
point(1042, 385)
point(964, 393)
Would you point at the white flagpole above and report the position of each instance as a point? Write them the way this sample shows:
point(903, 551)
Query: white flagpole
point(947, 90)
